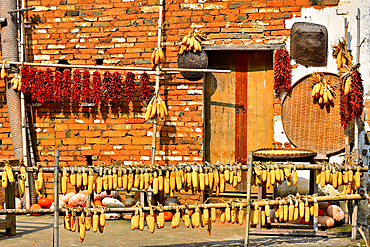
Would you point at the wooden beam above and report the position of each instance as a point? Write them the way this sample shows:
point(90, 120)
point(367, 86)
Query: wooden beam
point(5, 224)
point(288, 233)
point(242, 47)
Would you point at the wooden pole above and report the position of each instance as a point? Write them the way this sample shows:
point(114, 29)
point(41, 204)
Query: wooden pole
point(356, 150)
point(354, 220)
point(56, 200)
point(249, 184)
point(10, 204)
point(138, 69)
point(158, 69)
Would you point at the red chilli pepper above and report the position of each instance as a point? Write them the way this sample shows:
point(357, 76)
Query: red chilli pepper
point(282, 71)
point(33, 84)
point(25, 72)
point(86, 87)
point(41, 86)
point(66, 84)
point(58, 87)
point(357, 95)
point(130, 86)
point(49, 79)
point(144, 87)
point(96, 93)
point(116, 87)
point(107, 81)
point(76, 85)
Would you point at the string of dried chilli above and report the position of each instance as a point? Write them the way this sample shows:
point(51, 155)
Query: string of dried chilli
point(357, 95)
point(144, 87)
point(282, 71)
point(58, 87)
point(41, 86)
point(25, 73)
point(86, 88)
point(116, 87)
point(76, 85)
point(107, 81)
point(32, 81)
point(130, 86)
point(66, 87)
point(49, 81)
point(96, 94)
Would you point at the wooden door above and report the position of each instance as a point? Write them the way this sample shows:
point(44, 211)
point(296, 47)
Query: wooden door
point(239, 105)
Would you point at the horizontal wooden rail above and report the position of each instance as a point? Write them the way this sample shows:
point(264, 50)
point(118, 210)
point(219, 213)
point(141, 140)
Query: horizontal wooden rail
point(310, 199)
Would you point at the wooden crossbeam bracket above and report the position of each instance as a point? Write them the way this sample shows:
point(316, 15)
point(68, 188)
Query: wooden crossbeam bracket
point(21, 10)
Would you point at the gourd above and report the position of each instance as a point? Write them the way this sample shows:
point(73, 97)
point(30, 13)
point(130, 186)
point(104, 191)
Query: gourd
point(65, 198)
point(77, 200)
point(328, 221)
point(335, 212)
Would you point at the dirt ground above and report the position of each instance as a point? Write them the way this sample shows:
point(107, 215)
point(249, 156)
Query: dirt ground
point(38, 231)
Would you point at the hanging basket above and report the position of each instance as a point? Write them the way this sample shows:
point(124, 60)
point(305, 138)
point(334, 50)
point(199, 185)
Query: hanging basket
point(191, 60)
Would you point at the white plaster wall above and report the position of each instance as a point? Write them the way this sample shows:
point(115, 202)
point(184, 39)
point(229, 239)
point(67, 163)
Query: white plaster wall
point(333, 19)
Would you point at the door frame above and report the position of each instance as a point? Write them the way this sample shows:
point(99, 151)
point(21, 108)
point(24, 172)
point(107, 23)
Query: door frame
point(234, 48)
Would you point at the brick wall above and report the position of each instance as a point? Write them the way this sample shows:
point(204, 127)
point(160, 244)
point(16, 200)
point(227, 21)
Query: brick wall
point(124, 32)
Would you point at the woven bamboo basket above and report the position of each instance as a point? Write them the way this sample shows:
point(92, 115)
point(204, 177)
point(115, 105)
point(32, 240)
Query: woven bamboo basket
point(284, 153)
point(307, 125)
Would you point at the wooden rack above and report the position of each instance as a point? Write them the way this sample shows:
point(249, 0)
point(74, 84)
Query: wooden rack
point(11, 212)
point(312, 190)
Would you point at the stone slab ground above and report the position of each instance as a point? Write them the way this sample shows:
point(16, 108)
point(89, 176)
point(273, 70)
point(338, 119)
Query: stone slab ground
point(38, 231)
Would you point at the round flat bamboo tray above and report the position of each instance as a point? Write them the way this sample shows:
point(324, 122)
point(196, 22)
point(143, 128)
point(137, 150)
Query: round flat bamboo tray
point(283, 153)
point(307, 125)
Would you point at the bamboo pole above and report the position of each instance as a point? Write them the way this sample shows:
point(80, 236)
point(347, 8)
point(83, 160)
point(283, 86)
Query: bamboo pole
point(140, 69)
point(346, 134)
point(356, 150)
point(249, 184)
point(56, 200)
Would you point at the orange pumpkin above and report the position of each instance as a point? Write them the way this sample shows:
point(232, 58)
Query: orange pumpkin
point(98, 203)
point(1, 207)
point(50, 197)
point(35, 206)
point(45, 202)
point(167, 216)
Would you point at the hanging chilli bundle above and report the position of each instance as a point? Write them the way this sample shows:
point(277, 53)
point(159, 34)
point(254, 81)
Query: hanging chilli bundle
point(116, 87)
point(66, 84)
point(351, 84)
point(58, 87)
point(49, 81)
point(357, 95)
point(32, 81)
point(96, 94)
point(130, 86)
point(25, 72)
point(76, 85)
point(86, 88)
point(144, 87)
point(282, 71)
point(41, 86)
point(107, 86)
